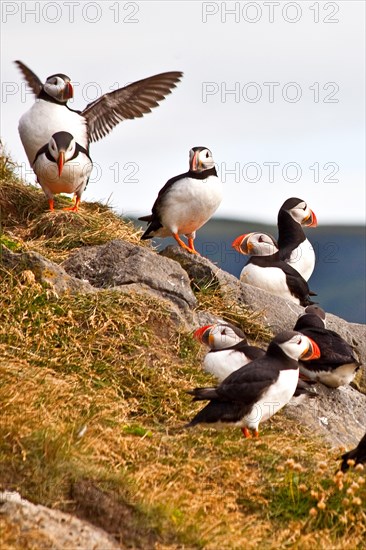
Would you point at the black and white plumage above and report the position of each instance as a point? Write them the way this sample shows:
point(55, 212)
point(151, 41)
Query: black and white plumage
point(255, 392)
point(222, 361)
point(267, 271)
point(294, 247)
point(229, 351)
point(337, 364)
point(186, 202)
point(358, 455)
point(50, 113)
point(63, 166)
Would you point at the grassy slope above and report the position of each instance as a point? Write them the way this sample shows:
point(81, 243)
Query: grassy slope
point(94, 404)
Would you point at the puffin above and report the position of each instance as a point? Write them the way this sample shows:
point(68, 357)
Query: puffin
point(63, 166)
point(294, 247)
point(267, 271)
point(220, 335)
point(255, 392)
point(51, 114)
point(222, 360)
point(337, 365)
point(358, 455)
point(186, 202)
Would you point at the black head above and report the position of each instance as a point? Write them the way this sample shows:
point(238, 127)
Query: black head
point(63, 140)
point(316, 310)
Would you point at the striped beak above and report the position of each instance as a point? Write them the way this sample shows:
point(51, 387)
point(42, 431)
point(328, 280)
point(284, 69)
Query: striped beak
point(242, 245)
point(202, 334)
point(60, 162)
point(310, 220)
point(312, 352)
point(195, 165)
point(68, 91)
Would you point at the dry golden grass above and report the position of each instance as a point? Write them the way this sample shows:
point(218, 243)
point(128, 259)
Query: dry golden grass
point(98, 392)
point(93, 387)
point(28, 224)
point(210, 299)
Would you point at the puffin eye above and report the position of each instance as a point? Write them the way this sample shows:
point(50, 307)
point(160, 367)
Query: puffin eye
point(207, 155)
point(260, 240)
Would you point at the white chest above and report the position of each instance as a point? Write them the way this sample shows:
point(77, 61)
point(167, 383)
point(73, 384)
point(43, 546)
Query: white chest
point(43, 120)
point(340, 376)
point(224, 362)
point(276, 397)
point(303, 259)
point(271, 279)
point(73, 179)
point(190, 203)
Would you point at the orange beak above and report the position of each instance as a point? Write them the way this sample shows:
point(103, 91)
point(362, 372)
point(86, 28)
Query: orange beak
point(311, 220)
point(195, 162)
point(199, 334)
point(60, 162)
point(313, 351)
point(68, 91)
point(241, 244)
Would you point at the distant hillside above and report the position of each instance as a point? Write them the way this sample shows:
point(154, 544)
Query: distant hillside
point(339, 277)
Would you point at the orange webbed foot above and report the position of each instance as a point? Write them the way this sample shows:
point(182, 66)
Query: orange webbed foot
point(75, 207)
point(246, 433)
point(183, 244)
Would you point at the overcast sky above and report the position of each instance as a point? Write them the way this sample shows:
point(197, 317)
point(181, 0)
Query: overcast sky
point(275, 89)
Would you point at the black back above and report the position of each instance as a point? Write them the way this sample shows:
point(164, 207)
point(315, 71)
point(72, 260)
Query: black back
point(290, 232)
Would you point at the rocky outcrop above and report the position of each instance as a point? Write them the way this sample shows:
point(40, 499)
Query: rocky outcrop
point(35, 526)
point(338, 414)
point(124, 266)
point(45, 272)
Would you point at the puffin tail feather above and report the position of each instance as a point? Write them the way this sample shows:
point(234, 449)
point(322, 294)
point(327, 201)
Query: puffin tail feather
point(203, 394)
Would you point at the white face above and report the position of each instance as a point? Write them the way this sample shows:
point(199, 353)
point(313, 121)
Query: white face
point(261, 244)
point(221, 337)
point(300, 212)
point(200, 160)
point(55, 87)
point(296, 347)
point(55, 150)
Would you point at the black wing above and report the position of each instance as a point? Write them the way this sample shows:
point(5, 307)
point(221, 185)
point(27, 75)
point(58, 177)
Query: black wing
point(248, 383)
point(216, 411)
point(297, 284)
point(154, 218)
point(32, 79)
point(130, 102)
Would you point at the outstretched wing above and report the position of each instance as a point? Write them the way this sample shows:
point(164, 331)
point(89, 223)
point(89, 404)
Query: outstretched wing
point(130, 102)
point(32, 79)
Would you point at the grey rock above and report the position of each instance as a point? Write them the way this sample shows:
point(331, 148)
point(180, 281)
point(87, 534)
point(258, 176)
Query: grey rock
point(50, 529)
point(122, 264)
point(337, 414)
point(44, 271)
